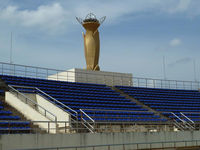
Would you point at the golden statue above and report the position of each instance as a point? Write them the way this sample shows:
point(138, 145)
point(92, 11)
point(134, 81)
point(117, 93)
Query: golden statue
point(91, 40)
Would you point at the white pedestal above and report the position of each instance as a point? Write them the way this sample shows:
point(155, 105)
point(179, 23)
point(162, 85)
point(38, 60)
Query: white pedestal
point(98, 77)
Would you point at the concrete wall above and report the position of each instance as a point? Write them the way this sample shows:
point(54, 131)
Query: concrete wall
point(99, 77)
point(58, 112)
point(62, 140)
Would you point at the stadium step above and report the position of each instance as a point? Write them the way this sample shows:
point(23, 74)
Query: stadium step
point(139, 103)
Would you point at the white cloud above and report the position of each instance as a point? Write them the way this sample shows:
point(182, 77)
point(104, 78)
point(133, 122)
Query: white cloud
point(175, 42)
point(181, 6)
point(59, 15)
point(49, 17)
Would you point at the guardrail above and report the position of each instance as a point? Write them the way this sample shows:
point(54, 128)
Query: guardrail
point(183, 122)
point(87, 124)
point(46, 73)
point(48, 97)
point(100, 127)
point(128, 146)
point(32, 103)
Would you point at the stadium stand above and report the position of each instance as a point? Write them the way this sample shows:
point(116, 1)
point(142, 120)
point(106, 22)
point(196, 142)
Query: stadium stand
point(168, 101)
point(10, 123)
point(100, 102)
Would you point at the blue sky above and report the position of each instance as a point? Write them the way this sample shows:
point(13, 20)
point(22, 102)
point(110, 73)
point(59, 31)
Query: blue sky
point(134, 37)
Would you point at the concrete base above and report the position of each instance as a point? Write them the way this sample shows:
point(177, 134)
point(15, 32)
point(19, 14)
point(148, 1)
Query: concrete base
point(98, 77)
point(25, 141)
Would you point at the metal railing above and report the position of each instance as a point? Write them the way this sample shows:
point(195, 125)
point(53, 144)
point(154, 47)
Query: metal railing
point(66, 127)
point(183, 122)
point(87, 124)
point(50, 99)
point(54, 74)
point(32, 103)
point(128, 146)
point(190, 123)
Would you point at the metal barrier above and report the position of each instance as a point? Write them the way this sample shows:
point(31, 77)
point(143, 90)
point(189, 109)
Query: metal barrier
point(48, 97)
point(46, 73)
point(32, 103)
point(87, 124)
point(128, 146)
point(100, 127)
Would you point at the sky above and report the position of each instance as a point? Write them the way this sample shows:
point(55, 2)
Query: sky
point(138, 36)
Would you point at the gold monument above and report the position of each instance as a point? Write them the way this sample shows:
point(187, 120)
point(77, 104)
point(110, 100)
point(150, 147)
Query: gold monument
point(91, 40)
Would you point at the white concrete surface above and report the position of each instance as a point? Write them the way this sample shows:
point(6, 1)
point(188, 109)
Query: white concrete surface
point(99, 77)
point(58, 112)
point(62, 140)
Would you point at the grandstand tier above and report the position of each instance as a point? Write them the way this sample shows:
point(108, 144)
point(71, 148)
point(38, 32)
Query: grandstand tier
point(170, 102)
point(99, 101)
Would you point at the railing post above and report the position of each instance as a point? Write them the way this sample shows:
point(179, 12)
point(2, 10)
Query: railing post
point(57, 75)
point(67, 76)
point(14, 70)
point(108, 147)
point(65, 127)
point(48, 127)
point(2, 69)
point(36, 72)
point(146, 83)
point(47, 74)
point(25, 71)
point(123, 147)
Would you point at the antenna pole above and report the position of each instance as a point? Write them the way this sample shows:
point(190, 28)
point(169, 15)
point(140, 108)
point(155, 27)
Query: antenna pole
point(164, 69)
point(11, 48)
point(195, 77)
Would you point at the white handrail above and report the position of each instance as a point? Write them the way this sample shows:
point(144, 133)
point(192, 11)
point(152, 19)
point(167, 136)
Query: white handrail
point(33, 102)
point(187, 117)
point(91, 130)
point(87, 115)
point(55, 100)
point(178, 117)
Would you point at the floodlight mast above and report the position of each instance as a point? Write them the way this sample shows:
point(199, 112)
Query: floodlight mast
point(91, 40)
